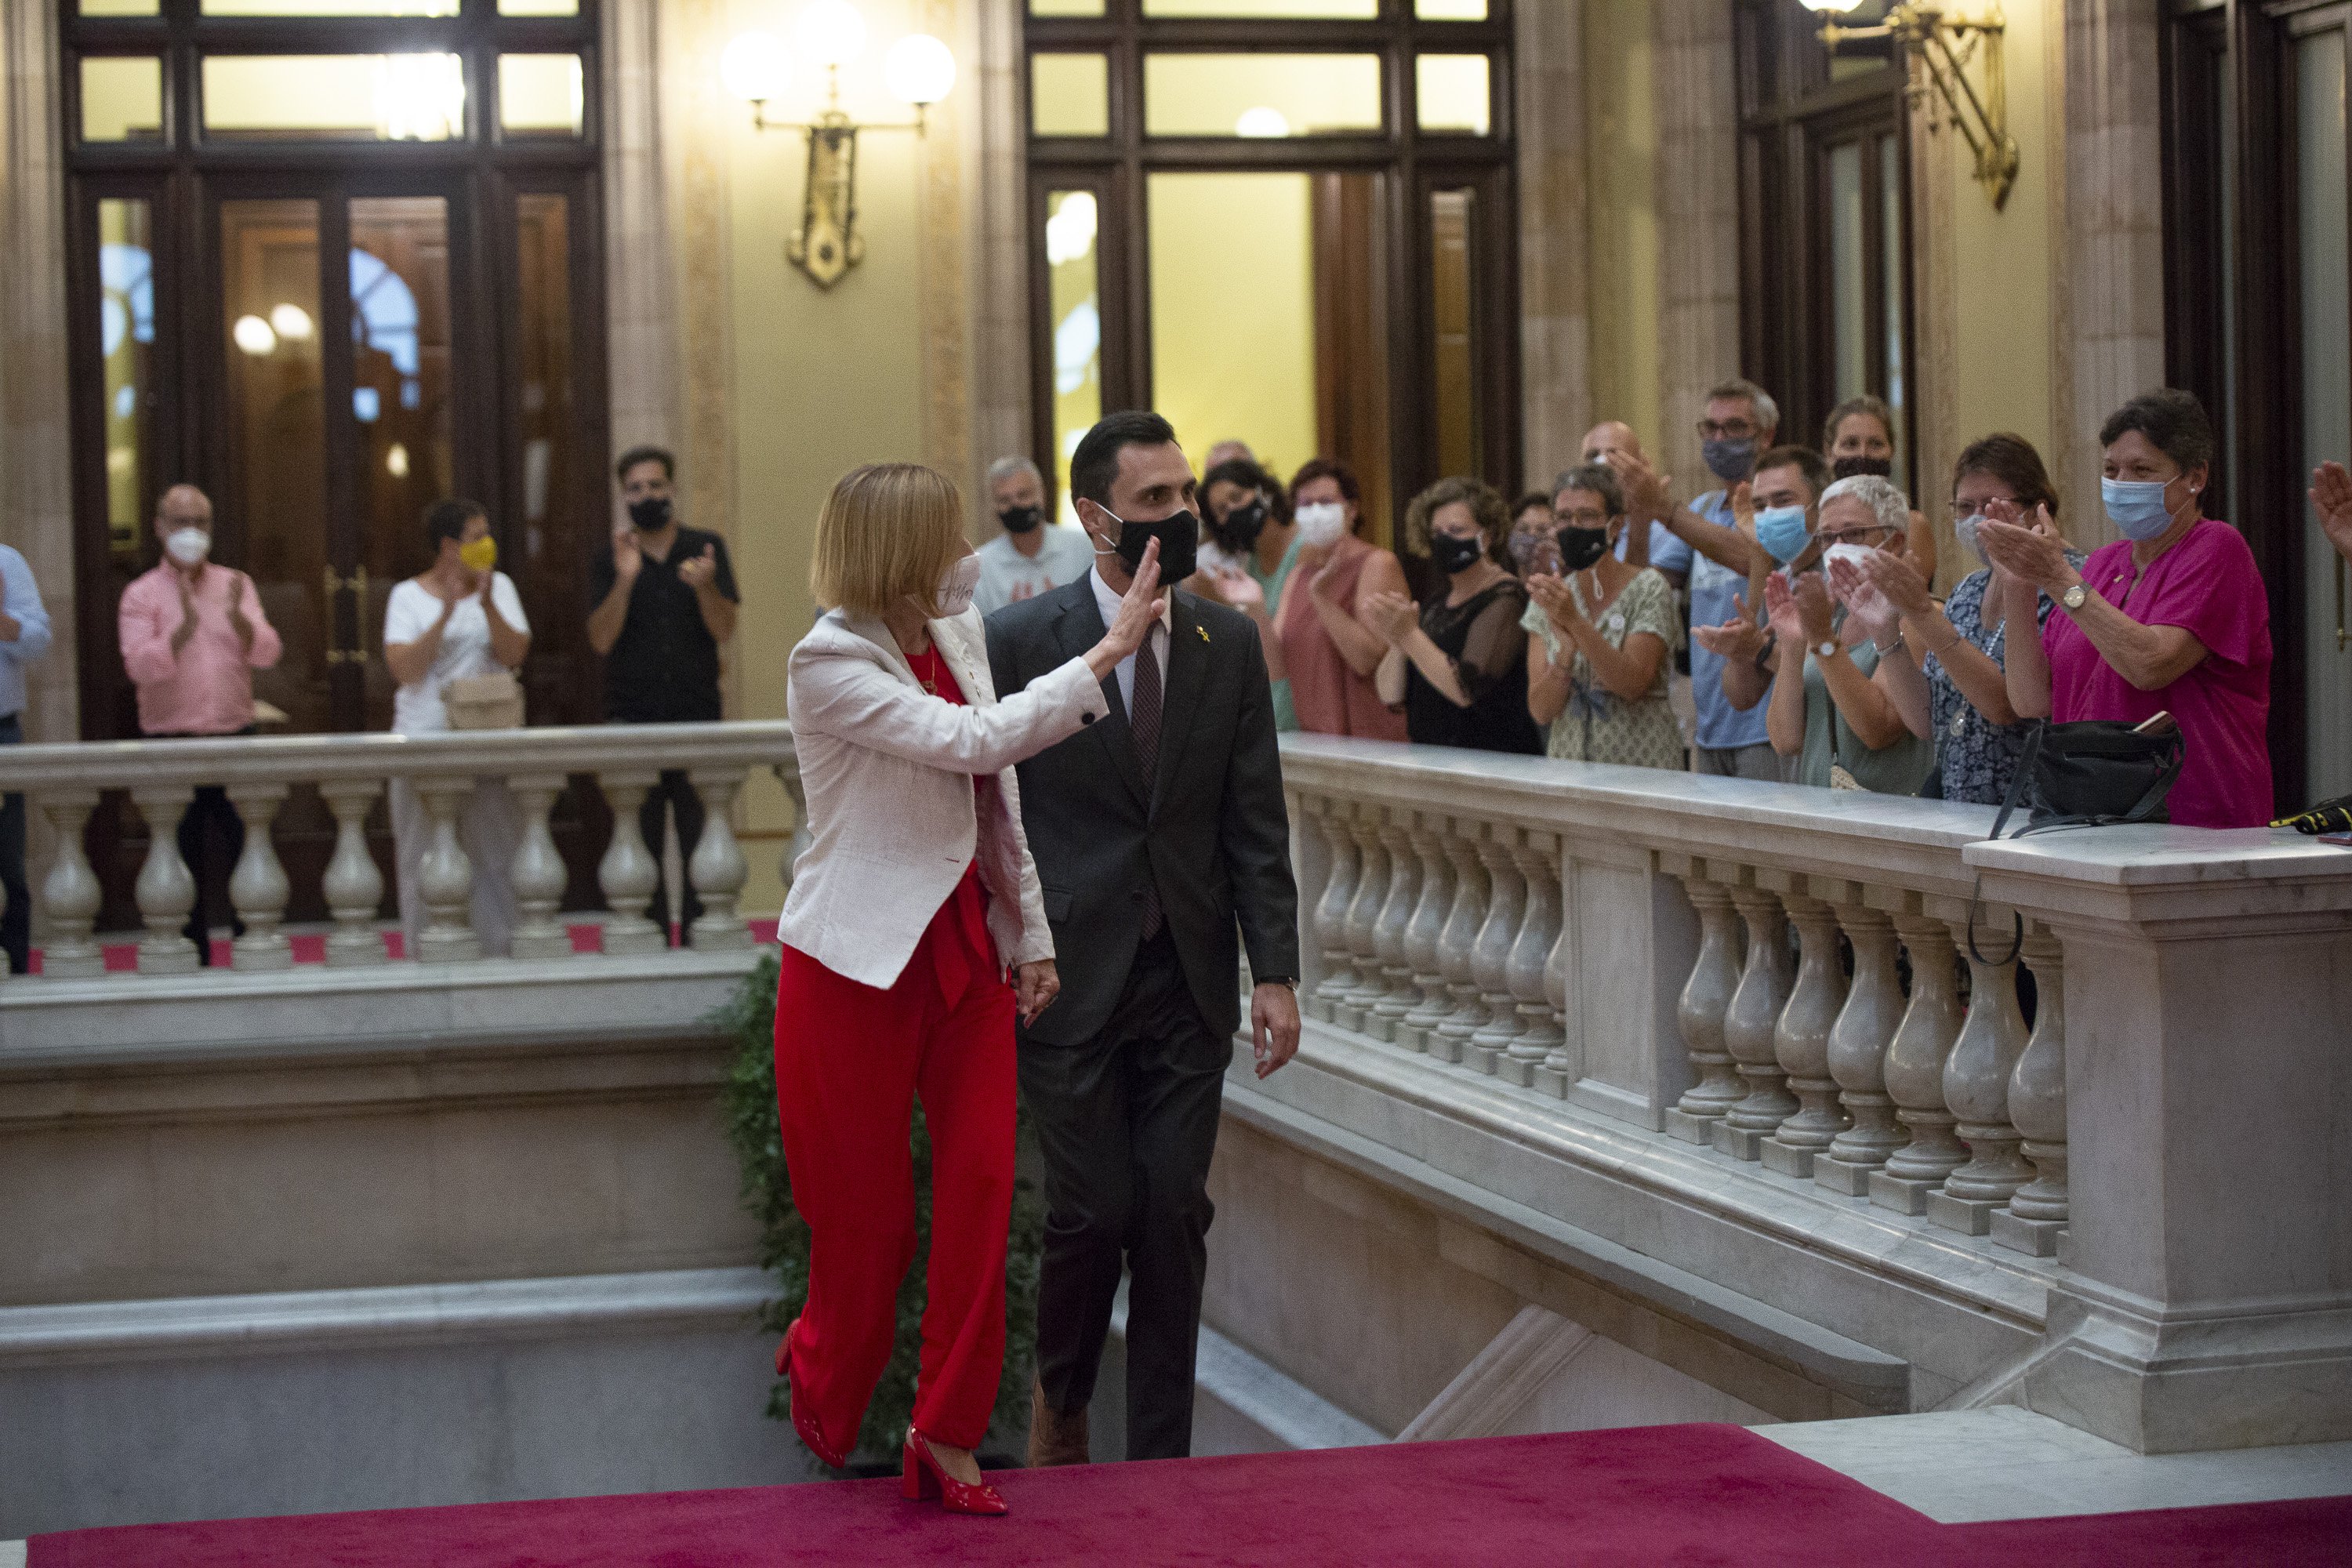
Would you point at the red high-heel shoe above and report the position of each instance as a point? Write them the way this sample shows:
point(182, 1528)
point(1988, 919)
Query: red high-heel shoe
point(804, 1417)
point(926, 1479)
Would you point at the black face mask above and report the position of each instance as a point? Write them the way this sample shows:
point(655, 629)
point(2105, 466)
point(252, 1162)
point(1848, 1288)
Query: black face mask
point(1020, 518)
point(1454, 553)
point(1581, 547)
point(650, 515)
point(1180, 543)
point(1847, 468)
point(1242, 526)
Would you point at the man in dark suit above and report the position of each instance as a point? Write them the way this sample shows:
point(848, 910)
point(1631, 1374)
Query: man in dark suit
point(1157, 833)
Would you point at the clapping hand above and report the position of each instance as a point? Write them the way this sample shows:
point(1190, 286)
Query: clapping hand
point(702, 570)
point(1239, 589)
point(1743, 510)
point(2331, 497)
point(1391, 614)
point(1898, 582)
point(1738, 638)
point(1864, 604)
point(1552, 597)
point(627, 559)
point(2032, 554)
point(1781, 610)
point(1648, 493)
point(237, 586)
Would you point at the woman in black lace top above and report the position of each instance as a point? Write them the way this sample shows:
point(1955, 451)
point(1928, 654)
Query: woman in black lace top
point(1459, 666)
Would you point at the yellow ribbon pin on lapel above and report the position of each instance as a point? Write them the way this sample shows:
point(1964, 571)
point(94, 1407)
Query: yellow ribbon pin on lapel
point(1203, 631)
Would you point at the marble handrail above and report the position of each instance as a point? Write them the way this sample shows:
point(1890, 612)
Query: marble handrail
point(349, 771)
point(1785, 975)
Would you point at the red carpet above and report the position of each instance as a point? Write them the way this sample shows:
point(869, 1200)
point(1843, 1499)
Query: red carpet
point(1646, 1495)
point(2308, 1532)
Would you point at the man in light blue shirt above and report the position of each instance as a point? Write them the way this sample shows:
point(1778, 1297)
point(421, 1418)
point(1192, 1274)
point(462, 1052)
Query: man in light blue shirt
point(1032, 556)
point(23, 638)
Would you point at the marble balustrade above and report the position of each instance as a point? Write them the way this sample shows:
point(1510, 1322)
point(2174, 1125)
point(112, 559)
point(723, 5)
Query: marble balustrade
point(351, 774)
point(1796, 986)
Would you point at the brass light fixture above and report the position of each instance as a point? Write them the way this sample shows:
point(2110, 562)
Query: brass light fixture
point(1941, 45)
point(919, 71)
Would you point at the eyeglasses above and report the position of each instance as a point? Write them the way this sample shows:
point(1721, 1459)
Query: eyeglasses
point(1584, 518)
point(1853, 536)
point(1737, 430)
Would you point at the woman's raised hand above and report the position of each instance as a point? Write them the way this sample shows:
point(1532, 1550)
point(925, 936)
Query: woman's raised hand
point(1899, 581)
point(1391, 614)
point(1139, 608)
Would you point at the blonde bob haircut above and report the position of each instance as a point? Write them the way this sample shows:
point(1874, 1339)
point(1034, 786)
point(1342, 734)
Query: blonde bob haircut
point(888, 532)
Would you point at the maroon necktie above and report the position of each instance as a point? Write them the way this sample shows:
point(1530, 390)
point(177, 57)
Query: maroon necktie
point(1143, 723)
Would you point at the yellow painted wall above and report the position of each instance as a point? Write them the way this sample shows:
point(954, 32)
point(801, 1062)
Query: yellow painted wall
point(823, 380)
point(1624, 253)
point(1233, 313)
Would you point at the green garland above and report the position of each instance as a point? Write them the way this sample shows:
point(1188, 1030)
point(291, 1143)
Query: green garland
point(749, 1096)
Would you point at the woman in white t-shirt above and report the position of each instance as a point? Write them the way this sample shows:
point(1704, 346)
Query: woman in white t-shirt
point(461, 617)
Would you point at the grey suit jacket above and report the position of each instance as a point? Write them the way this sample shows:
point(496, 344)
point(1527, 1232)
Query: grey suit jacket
point(1211, 829)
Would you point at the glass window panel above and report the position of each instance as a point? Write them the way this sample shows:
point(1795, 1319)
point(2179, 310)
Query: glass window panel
point(1232, 326)
point(121, 98)
point(342, 98)
point(1452, 319)
point(1073, 296)
point(1452, 93)
point(120, 8)
point(542, 95)
point(539, 7)
point(1261, 95)
point(1317, 10)
point(1069, 95)
point(1848, 322)
point(126, 322)
point(1065, 7)
point(1449, 10)
point(330, 7)
point(276, 476)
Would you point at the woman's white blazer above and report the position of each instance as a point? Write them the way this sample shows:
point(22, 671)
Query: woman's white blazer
point(894, 817)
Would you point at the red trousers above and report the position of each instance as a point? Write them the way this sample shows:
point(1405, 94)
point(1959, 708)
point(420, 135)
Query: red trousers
point(850, 1061)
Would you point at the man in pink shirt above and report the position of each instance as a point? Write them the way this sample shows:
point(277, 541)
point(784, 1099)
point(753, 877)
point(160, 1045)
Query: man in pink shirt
point(193, 633)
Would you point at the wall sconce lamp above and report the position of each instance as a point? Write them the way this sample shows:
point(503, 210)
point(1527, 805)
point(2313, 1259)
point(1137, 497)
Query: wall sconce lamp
point(919, 71)
point(1942, 46)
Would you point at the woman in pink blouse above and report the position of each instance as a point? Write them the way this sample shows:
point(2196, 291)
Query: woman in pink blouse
point(2171, 618)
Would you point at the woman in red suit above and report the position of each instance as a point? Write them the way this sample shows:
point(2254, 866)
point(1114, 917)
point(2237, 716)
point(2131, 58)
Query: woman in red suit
point(915, 896)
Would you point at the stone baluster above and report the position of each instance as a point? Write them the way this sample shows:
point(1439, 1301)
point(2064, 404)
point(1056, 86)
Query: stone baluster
point(70, 890)
point(1364, 919)
point(1422, 933)
point(1976, 1088)
point(1858, 1053)
point(2037, 1105)
point(1749, 1022)
point(1458, 944)
point(538, 870)
point(1915, 1066)
point(166, 888)
point(257, 889)
point(716, 869)
point(1705, 998)
point(1397, 993)
point(628, 872)
point(1536, 855)
point(1507, 900)
point(1565, 1063)
point(1331, 909)
point(445, 876)
point(353, 883)
point(1801, 1041)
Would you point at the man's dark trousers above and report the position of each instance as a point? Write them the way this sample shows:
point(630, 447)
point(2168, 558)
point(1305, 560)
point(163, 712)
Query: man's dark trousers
point(1159, 863)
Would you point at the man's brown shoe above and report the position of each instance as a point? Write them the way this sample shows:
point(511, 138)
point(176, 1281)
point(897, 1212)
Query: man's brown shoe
point(1054, 1439)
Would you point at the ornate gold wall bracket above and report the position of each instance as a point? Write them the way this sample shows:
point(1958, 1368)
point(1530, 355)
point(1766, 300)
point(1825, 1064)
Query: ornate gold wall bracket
point(1938, 49)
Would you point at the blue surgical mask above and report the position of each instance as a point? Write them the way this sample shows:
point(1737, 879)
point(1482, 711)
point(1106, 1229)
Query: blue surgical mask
point(1965, 530)
point(1780, 530)
point(1730, 462)
point(2137, 507)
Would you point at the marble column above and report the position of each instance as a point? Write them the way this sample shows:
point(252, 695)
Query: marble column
point(354, 882)
point(538, 871)
point(166, 889)
point(1491, 958)
point(70, 894)
point(1976, 1088)
point(628, 871)
point(1536, 857)
point(257, 889)
point(1364, 919)
point(1397, 993)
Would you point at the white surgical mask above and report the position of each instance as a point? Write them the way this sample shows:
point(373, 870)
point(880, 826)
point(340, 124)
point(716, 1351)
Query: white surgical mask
point(1321, 523)
point(188, 545)
point(1854, 554)
point(956, 589)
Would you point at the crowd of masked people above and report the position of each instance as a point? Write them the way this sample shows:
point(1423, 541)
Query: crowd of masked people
point(1797, 590)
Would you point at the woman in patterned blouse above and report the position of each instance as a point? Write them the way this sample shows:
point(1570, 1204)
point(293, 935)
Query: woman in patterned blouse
point(1958, 699)
point(1600, 631)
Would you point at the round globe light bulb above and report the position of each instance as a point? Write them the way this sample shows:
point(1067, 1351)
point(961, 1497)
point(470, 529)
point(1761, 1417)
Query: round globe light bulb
point(254, 335)
point(1262, 123)
point(918, 69)
point(290, 323)
point(753, 64)
point(833, 32)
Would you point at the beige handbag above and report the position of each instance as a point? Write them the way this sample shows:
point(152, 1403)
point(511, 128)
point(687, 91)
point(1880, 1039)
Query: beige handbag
point(484, 702)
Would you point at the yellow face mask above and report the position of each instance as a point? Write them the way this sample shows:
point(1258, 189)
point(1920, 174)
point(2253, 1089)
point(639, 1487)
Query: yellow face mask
point(480, 555)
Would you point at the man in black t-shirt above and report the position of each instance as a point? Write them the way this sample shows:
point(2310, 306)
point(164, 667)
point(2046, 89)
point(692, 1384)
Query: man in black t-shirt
point(664, 599)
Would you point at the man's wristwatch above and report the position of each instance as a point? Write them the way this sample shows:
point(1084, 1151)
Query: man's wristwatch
point(2073, 597)
point(1289, 980)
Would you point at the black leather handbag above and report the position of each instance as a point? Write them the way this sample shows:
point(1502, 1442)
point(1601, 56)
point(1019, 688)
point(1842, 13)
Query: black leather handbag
point(2095, 772)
